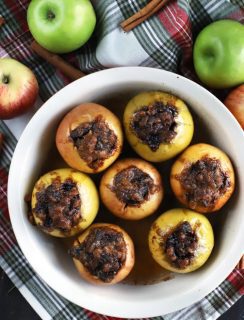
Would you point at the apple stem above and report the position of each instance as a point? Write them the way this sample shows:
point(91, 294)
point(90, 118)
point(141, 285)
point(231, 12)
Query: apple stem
point(5, 79)
point(50, 15)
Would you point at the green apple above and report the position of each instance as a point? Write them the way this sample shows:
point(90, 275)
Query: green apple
point(61, 26)
point(218, 54)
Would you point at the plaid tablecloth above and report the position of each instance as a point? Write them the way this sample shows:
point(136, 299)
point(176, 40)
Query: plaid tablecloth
point(164, 41)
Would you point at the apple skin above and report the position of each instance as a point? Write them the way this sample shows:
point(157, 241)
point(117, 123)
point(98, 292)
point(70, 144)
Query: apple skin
point(18, 88)
point(218, 54)
point(61, 26)
point(235, 103)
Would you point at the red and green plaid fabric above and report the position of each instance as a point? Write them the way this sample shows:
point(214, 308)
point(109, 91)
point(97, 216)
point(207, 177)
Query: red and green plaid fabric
point(165, 42)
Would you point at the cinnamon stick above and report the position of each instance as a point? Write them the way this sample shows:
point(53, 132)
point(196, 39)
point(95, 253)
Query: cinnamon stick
point(2, 21)
point(240, 265)
point(152, 7)
point(58, 62)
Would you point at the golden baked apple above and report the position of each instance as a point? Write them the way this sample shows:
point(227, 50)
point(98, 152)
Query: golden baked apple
point(103, 254)
point(181, 240)
point(64, 202)
point(158, 125)
point(89, 138)
point(131, 189)
point(202, 178)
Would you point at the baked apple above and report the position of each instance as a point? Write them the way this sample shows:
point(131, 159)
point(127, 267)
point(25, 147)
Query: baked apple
point(158, 125)
point(181, 240)
point(89, 138)
point(64, 202)
point(131, 189)
point(103, 254)
point(202, 178)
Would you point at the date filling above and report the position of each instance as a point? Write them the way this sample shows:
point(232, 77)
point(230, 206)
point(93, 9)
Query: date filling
point(58, 205)
point(103, 253)
point(155, 124)
point(132, 186)
point(181, 245)
point(204, 182)
point(95, 142)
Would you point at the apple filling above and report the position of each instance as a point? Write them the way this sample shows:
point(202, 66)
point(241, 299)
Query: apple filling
point(132, 186)
point(155, 124)
point(95, 141)
point(58, 205)
point(204, 182)
point(102, 253)
point(181, 245)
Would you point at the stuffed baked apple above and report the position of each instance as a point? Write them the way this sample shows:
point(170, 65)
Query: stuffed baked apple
point(89, 138)
point(158, 125)
point(64, 202)
point(202, 178)
point(103, 254)
point(131, 189)
point(181, 240)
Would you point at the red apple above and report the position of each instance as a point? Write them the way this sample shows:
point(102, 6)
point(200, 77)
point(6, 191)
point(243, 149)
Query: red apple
point(18, 88)
point(235, 103)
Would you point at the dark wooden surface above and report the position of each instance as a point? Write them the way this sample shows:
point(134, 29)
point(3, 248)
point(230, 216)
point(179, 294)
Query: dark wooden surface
point(14, 307)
